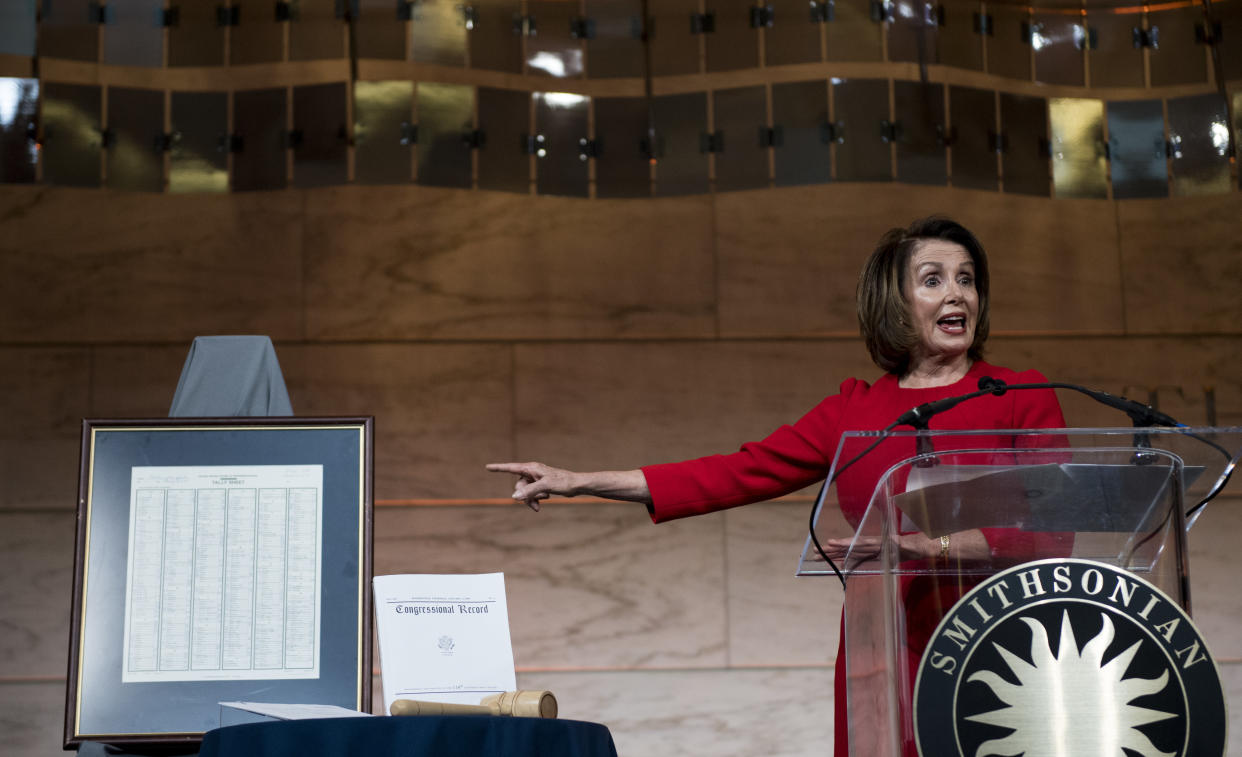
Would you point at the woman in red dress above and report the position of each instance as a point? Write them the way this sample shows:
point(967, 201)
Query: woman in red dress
point(923, 313)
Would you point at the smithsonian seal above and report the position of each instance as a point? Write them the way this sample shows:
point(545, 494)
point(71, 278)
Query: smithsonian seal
point(1068, 657)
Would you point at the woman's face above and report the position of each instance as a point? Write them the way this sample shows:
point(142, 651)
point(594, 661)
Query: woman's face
point(942, 299)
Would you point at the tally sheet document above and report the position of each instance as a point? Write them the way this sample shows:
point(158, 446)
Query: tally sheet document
point(443, 638)
point(223, 577)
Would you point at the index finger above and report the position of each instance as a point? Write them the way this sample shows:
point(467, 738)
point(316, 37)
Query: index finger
point(521, 469)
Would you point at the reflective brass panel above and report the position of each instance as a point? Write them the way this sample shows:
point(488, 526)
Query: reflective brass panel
point(495, 37)
point(1079, 168)
point(258, 36)
point(504, 119)
point(317, 31)
point(136, 122)
point(961, 46)
point(553, 51)
point(19, 152)
point(1059, 41)
point(438, 34)
point(67, 31)
point(800, 113)
point(1199, 137)
point(17, 27)
point(1024, 130)
point(321, 130)
point(1009, 49)
point(1136, 149)
point(734, 43)
point(197, 39)
point(740, 124)
point(72, 139)
point(914, 31)
point(681, 125)
point(794, 36)
point(561, 164)
point(974, 132)
point(1115, 62)
point(1178, 59)
point(134, 35)
point(445, 117)
point(921, 132)
point(199, 162)
point(852, 34)
point(378, 32)
point(259, 123)
point(383, 134)
point(616, 50)
point(860, 110)
point(674, 50)
point(622, 166)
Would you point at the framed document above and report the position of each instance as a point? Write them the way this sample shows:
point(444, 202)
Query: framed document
point(224, 559)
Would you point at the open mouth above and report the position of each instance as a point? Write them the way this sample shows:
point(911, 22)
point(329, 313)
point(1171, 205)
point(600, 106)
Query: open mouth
point(954, 324)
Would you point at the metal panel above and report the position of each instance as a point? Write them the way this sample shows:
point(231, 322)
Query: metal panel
point(1199, 137)
point(733, 43)
point(616, 50)
point(495, 36)
point(315, 31)
point(794, 36)
point(1136, 149)
point(383, 133)
point(674, 49)
point(860, 107)
point(974, 133)
point(681, 123)
point(1115, 62)
point(561, 119)
point(67, 30)
point(1009, 48)
point(920, 132)
point(17, 27)
point(259, 123)
point(197, 39)
point(445, 117)
point(321, 129)
point(1079, 166)
point(1059, 41)
point(19, 151)
point(1178, 59)
point(553, 51)
point(800, 113)
point(853, 34)
point(258, 36)
point(439, 34)
point(504, 119)
point(379, 33)
point(135, 156)
point(199, 160)
point(913, 32)
point(1024, 129)
point(134, 35)
point(72, 138)
point(740, 123)
point(622, 166)
point(961, 43)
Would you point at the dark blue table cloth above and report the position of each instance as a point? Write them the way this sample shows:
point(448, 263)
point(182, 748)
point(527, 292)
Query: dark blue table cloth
point(424, 736)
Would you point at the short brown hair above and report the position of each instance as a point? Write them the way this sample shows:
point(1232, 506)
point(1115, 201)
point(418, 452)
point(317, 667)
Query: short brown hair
point(883, 314)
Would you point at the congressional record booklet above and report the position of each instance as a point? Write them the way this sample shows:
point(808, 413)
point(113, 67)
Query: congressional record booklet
point(443, 638)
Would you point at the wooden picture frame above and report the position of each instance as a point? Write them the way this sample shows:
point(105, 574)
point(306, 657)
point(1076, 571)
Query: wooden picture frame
point(218, 559)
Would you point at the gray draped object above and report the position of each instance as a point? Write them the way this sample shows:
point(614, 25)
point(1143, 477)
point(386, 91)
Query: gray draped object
point(228, 376)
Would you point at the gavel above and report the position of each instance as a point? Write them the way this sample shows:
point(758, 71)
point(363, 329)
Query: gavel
point(521, 704)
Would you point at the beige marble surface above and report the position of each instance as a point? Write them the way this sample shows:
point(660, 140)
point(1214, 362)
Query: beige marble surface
point(36, 582)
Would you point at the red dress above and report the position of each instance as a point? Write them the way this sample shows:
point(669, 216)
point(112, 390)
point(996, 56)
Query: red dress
point(797, 455)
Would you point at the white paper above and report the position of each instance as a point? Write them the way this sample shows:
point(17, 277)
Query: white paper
point(296, 711)
point(443, 638)
point(223, 574)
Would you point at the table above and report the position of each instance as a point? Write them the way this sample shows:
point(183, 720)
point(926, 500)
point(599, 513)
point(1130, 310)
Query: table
point(424, 736)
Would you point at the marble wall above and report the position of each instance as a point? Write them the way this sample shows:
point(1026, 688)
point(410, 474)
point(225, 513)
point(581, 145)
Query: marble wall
point(479, 326)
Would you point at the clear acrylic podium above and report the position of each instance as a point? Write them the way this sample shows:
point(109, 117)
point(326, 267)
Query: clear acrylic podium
point(1121, 496)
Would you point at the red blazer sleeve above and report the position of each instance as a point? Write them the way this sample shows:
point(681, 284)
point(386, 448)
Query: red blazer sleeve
point(791, 457)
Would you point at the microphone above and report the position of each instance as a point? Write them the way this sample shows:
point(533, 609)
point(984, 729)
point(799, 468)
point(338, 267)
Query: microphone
point(1141, 415)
